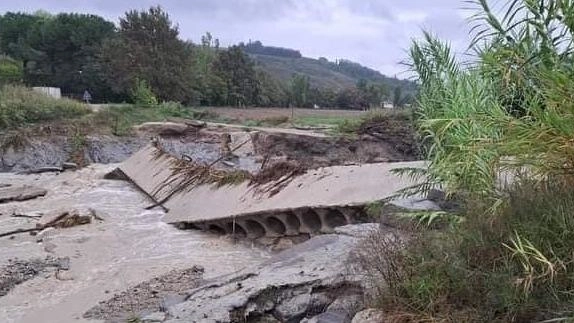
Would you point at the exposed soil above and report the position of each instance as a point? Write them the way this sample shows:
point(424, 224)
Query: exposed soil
point(312, 152)
point(397, 131)
point(147, 297)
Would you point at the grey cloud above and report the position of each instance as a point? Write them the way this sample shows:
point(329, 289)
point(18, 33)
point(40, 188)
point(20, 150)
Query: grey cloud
point(373, 32)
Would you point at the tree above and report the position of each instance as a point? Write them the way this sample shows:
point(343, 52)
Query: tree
point(272, 92)
point(57, 50)
point(237, 72)
point(11, 70)
point(147, 48)
point(299, 90)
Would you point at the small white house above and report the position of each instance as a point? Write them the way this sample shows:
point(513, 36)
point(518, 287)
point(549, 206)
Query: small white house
point(49, 91)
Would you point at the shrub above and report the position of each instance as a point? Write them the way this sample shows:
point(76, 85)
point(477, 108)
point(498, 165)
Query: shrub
point(143, 95)
point(11, 70)
point(507, 115)
point(20, 106)
point(518, 267)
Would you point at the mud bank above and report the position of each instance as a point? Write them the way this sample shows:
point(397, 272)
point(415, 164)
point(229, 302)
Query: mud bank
point(204, 144)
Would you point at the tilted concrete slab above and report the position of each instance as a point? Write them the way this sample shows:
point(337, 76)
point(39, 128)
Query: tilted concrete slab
point(316, 201)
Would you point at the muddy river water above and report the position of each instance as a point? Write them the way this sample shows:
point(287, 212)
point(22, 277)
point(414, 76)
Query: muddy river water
point(130, 245)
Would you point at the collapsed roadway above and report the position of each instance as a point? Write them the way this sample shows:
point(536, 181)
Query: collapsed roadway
point(314, 202)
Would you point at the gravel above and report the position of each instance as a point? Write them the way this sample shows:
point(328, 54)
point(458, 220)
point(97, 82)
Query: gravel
point(18, 271)
point(147, 297)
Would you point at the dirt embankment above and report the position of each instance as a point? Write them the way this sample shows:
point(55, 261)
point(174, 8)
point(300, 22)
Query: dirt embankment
point(313, 152)
point(384, 140)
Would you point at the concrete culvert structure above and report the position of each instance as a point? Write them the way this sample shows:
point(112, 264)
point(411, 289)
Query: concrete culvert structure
point(334, 218)
point(235, 229)
point(254, 229)
point(310, 221)
point(216, 229)
point(310, 203)
point(292, 223)
point(275, 225)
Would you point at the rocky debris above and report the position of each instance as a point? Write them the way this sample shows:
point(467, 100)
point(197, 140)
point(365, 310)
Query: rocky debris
point(300, 283)
point(163, 128)
point(20, 193)
point(369, 316)
point(66, 218)
point(144, 300)
point(19, 271)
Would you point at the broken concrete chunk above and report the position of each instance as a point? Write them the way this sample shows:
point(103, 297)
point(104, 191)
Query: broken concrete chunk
point(20, 193)
point(65, 218)
point(291, 285)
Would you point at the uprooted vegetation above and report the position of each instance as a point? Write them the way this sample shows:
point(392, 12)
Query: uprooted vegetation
point(499, 133)
point(186, 175)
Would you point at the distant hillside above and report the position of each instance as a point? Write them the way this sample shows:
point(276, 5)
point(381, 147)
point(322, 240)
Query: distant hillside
point(282, 63)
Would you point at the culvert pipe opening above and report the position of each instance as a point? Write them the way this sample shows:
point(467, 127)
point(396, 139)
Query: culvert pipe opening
point(311, 220)
point(254, 229)
point(275, 225)
point(335, 218)
point(235, 229)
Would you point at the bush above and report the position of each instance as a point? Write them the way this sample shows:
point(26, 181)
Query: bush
point(11, 70)
point(143, 95)
point(516, 267)
point(20, 106)
point(507, 115)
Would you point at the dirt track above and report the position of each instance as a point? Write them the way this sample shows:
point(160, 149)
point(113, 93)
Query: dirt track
point(264, 113)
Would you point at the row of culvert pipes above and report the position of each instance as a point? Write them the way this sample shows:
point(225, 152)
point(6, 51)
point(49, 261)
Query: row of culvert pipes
point(285, 223)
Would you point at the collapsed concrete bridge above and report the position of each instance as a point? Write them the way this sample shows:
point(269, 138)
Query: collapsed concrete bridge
point(314, 202)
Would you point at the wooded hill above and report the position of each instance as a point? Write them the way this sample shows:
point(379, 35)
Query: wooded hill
point(282, 63)
point(143, 58)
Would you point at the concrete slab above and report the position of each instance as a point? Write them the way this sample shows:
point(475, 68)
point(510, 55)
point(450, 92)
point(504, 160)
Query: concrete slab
point(329, 192)
point(20, 193)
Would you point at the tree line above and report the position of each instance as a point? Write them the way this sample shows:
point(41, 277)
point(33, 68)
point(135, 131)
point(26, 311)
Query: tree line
point(78, 52)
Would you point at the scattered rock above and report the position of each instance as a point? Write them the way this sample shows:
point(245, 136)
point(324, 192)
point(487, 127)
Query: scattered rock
point(20, 193)
point(146, 297)
point(369, 316)
point(294, 307)
point(19, 271)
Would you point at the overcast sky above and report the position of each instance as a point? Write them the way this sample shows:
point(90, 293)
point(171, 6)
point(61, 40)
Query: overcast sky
point(375, 33)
